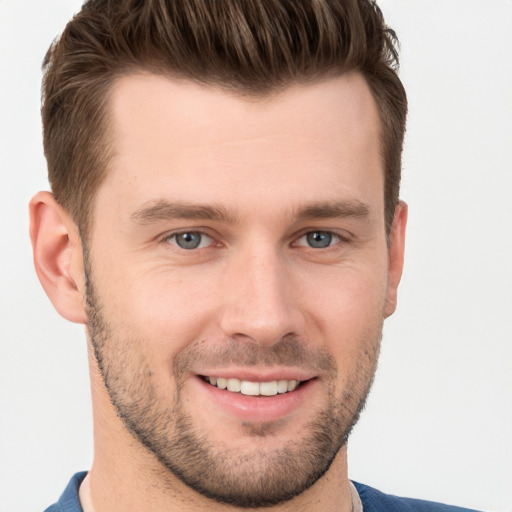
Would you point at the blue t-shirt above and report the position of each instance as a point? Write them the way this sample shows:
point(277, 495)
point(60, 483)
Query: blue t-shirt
point(372, 500)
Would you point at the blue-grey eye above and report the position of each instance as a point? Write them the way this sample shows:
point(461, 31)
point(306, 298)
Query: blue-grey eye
point(319, 239)
point(190, 240)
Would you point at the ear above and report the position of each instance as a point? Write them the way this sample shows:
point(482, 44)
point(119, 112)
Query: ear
point(57, 252)
point(395, 256)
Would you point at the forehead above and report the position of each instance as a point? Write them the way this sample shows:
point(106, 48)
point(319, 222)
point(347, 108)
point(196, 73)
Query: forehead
point(178, 140)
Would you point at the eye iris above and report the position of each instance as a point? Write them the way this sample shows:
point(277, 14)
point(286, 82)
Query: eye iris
point(319, 239)
point(188, 240)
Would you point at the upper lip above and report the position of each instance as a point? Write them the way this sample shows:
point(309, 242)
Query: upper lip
point(264, 375)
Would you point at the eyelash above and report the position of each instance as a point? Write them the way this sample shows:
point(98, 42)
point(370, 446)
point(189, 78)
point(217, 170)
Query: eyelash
point(333, 237)
point(174, 236)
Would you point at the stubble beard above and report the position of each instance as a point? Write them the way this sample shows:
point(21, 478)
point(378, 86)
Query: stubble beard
point(257, 478)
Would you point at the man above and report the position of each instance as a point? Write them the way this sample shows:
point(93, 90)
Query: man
point(225, 221)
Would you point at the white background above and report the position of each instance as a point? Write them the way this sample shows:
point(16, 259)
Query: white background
point(439, 421)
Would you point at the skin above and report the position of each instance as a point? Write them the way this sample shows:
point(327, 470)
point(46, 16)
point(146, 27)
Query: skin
point(253, 284)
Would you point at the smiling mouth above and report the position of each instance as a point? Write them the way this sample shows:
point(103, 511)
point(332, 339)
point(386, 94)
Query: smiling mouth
point(248, 388)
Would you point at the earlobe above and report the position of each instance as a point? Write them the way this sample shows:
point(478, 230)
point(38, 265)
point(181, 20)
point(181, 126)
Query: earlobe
point(57, 254)
point(396, 256)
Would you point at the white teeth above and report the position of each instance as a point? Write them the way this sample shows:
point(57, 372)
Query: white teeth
point(234, 385)
point(282, 386)
point(268, 388)
point(249, 388)
point(292, 384)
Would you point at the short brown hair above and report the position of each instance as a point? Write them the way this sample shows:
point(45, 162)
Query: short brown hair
point(252, 47)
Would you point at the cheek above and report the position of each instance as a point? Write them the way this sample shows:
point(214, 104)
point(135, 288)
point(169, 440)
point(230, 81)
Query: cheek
point(350, 320)
point(164, 311)
point(350, 292)
point(347, 308)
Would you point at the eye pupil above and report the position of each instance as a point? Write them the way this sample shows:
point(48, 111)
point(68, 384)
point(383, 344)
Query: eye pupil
point(319, 239)
point(189, 240)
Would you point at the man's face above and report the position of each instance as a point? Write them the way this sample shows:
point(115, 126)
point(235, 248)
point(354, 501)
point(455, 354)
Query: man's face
point(240, 243)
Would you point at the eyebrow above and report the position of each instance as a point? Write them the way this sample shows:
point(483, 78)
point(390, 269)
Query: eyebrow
point(163, 210)
point(334, 209)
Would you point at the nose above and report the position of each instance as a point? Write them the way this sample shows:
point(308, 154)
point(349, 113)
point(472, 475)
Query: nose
point(260, 302)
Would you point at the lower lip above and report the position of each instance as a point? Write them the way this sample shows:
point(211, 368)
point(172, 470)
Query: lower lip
point(259, 408)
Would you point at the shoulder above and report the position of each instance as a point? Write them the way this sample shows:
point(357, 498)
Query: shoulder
point(69, 501)
point(376, 501)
